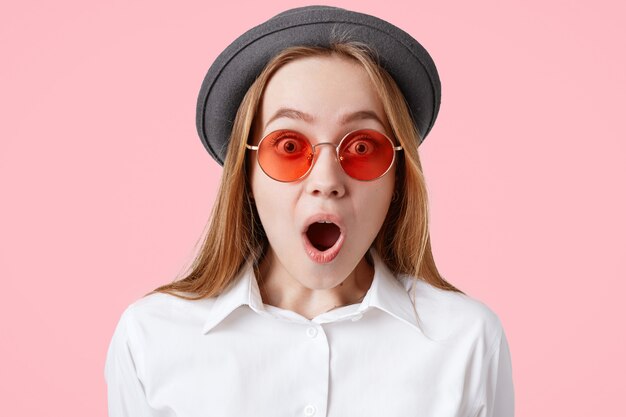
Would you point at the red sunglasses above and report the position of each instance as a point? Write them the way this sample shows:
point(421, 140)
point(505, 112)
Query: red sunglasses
point(287, 155)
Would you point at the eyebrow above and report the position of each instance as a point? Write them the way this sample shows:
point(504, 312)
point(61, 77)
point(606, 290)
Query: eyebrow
point(345, 119)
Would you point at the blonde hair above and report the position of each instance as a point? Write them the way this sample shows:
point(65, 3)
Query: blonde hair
point(235, 233)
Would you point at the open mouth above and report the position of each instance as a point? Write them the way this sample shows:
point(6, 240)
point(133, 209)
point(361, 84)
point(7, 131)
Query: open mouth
point(323, 235)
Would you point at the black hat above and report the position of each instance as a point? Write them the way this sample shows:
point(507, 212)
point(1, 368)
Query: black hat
point(236, 68)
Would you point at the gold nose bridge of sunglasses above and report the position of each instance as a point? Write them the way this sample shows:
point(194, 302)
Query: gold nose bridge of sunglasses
point(313, 154)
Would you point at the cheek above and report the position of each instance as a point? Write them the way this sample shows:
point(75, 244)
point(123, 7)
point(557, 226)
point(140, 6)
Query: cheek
point(273, 203)
point(375, 201)
point(379, 201)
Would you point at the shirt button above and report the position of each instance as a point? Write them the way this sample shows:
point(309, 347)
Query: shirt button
point(311, 332)
point(309, 410)
point(357, 317)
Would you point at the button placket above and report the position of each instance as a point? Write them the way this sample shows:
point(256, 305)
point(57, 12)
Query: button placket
point(315, 398)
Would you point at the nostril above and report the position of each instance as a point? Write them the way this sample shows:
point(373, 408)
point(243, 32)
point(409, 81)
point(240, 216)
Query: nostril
point(325, 192)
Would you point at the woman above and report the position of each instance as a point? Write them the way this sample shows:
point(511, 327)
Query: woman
point(315, 291)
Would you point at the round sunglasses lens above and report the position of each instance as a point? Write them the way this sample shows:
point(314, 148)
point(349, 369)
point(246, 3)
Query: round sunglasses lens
point(285, 155)
point(366, 154)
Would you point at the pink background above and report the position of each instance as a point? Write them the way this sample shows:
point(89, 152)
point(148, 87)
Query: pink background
point(106, 187)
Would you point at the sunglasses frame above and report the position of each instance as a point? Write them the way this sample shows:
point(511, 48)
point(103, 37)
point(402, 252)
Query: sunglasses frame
point(314, 149)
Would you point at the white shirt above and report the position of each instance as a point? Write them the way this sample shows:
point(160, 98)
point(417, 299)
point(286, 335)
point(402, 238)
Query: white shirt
point(232, 355)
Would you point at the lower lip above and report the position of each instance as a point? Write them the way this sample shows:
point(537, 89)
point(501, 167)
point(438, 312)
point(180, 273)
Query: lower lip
point(322, 257)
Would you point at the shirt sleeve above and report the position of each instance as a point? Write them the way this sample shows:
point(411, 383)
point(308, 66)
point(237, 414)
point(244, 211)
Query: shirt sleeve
point(497, 398)
point(126, 395)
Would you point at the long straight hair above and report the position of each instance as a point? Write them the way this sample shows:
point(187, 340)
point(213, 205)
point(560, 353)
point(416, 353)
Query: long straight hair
point(235, 234)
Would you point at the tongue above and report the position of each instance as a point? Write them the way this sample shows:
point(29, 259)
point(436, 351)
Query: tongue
point(323, 235)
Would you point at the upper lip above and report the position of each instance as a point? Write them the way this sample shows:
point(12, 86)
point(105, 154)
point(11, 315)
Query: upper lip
point(318, 217)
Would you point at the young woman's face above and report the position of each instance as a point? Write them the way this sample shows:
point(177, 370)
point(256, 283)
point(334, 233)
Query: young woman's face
point(323, 98)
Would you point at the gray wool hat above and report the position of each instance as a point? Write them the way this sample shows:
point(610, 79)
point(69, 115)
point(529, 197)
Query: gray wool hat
point(235, 69)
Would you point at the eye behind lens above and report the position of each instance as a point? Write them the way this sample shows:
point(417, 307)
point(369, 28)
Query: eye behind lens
point(284, 155)
point(366, 154)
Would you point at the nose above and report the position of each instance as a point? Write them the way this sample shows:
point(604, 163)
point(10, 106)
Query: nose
point(326, 177)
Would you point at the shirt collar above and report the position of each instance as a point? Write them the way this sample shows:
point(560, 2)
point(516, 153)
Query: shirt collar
point(386, 293)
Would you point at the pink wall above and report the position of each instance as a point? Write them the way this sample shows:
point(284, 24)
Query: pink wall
point(106, 187)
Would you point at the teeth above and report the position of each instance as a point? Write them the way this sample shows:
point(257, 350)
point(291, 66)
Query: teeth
point(324, 221)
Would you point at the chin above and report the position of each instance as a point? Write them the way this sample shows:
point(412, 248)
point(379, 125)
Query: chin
point(327, 275)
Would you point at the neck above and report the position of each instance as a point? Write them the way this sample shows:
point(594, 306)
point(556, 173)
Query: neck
point(283, 291)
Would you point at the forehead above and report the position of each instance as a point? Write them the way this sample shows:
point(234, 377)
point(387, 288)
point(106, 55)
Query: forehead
point(326, 88)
